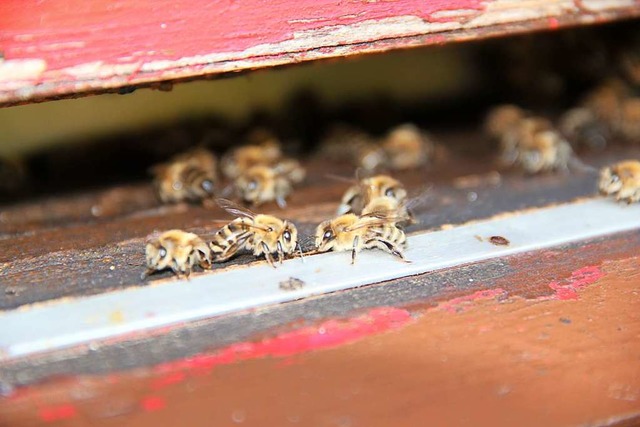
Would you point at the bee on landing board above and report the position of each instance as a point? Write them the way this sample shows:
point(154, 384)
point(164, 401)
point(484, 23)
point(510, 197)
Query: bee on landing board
point(407, 147)
point(359, 194)
point(189, 176)
point(344, 142)
point(629, 125)
point(176, 250)
point(535, 146)
point(621, 180)
point(581, 126)
point(266, 153)
point(354, 233)
point(501, 119)
point(260, 184)
point(263, 235)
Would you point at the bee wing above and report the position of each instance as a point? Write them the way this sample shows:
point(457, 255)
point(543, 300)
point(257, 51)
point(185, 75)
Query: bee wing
point(419, 200)
point(370, 221)
point(235, 209)
point(340, 178)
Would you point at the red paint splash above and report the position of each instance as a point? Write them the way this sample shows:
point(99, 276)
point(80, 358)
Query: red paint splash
point(329, 334)
point(153, 403)
point(167, 380)
point(57, 413)
point(567, 289)
point(460, 304)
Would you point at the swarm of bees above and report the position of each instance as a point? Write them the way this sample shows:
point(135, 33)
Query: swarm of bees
point(379, 224)
point(404, 147)
point(258, 173)
point(375, 209)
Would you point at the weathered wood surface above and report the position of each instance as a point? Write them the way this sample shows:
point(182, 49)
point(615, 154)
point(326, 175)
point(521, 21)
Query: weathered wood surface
point(547, 338)
point(63, 48)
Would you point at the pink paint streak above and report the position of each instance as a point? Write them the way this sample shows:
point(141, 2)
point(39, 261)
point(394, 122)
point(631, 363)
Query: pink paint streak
point(461, 304)
point(66, 33)
point(329, 334)
point(57, 413)
point(153, 403)
point(567, 289)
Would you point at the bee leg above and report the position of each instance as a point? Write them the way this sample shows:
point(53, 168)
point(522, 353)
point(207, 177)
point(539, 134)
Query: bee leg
point(267, 255)
point(394, 250)
point(354, 251)
point(146, 273)
point(280, 253)
point(281, 202)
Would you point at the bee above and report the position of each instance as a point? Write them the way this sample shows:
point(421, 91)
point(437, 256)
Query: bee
point(263, 235)
point(407, 147)
point(241, 159)
point(605, 101)
point(521, 134)
point(177, 250)
point(583, 128)
point(260, 184)
point(355, 233)
point(391, 208)
point(501, 119)
point(546, 151)
point(346, 142)
point(189, 176)
point(621, 180)
point(629, 125)
point(358, 195)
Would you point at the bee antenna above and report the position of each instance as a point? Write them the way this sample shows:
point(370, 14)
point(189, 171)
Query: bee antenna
point(300, 252)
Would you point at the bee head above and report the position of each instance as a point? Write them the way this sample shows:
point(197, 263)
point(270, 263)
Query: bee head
point(610, 181)
point(207, 185)
point(252, 184)
point(156, 255)
point(288, 238)
point(325, 236)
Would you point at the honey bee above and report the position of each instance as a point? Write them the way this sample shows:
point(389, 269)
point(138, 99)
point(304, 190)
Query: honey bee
point(395, 211)
point(501, 119)
point(407, 147)
point(358, 195)
point(177, 250)
point(263, 235)
point(605, 101)
point(354, 233)
point(547, 151)
point(581, 126)
point(621, 180)
point(189, 176)
point(260, 184)
point(241, 159)
point(535, 146)
point(346, 142)
point(629, 126)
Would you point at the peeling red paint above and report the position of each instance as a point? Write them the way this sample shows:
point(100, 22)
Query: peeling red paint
point(58, 413)
point(568, 289)
point(460, 304)
point(168, 29)
point(554, 24)
point(153, 403)
point(326, 335)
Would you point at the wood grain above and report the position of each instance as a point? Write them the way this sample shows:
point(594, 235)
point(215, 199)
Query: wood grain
point(61, 48)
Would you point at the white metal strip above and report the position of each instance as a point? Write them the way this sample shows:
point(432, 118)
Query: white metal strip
point(62, 324)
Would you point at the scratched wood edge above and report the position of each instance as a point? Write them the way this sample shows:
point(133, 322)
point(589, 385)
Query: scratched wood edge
point(26, 81)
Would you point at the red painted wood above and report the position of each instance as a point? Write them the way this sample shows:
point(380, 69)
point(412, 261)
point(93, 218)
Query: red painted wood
point(66, 47)
point(69, 32)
